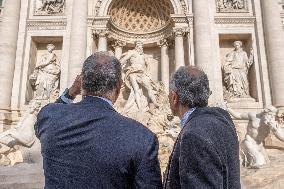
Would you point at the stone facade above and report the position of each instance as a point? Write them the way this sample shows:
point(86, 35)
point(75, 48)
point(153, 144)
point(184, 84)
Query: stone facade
point(173, 33)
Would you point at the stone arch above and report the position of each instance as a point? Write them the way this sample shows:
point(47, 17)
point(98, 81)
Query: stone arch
point(103, 7)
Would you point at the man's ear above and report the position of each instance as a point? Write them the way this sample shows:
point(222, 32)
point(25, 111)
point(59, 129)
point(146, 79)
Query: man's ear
point(118, 86)
point(175, 97)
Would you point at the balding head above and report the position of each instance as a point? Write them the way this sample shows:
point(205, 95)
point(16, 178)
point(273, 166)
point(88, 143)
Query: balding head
point(100, 74)
point(191, 85)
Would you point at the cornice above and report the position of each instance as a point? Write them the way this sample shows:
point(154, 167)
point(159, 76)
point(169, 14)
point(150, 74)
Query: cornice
point(235, 20)
point(47, 24)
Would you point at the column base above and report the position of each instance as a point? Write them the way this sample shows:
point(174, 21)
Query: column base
point(8, 119)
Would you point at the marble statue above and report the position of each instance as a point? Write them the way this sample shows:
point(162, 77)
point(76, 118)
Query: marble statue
point(45, 78)
point(235, 73)
point(134, 102)
point(51, 7)
point(259, 127)
point(137, 76)
point(22, 135)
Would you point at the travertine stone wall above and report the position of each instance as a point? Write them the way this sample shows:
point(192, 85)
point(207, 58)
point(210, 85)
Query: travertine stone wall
point(196, 32)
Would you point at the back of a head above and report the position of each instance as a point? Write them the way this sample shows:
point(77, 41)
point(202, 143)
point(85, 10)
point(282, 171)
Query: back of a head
point(192, 86)
point(100, 74)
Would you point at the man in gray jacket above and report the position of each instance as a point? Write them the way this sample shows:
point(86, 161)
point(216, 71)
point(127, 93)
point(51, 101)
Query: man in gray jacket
point(206, 153)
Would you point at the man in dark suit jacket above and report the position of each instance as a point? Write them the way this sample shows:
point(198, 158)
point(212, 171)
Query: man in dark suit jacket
point(88, 144)
point(206, 153)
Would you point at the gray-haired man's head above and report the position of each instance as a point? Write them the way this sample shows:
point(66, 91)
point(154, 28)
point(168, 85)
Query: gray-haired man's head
point(101, 75)
point(191, 86)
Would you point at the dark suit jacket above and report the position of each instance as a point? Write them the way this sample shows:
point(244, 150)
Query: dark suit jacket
point(206, 153)
point(89, 145)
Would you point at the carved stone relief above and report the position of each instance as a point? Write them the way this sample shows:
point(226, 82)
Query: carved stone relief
point(49, 7)
point(232, 6)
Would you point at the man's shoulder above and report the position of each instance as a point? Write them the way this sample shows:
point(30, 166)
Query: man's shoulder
point(209, 118)
point(134, 125)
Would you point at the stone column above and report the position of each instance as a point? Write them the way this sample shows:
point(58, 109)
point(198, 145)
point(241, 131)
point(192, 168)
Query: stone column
point(102, 44)
point(8, 46)
point(118, 45)
point(165, 63)
point(275, 48)
point(179, 48)
point(78, 40)
point(204, 45)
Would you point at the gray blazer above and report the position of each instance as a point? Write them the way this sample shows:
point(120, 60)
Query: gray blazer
point(206, 153)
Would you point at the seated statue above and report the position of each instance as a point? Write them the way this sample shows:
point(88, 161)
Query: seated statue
point(259, 127)
point(136, 77)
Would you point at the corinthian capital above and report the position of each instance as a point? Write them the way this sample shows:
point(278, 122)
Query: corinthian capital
point(102, 32)
point(163, 43)
point(118, 43)
point(180, 32)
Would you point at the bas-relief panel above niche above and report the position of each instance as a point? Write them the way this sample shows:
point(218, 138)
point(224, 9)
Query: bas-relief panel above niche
point(232, 6)
point(49, 7)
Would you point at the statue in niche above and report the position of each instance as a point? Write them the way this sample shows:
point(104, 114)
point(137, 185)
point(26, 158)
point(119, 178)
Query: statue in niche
point(19, 137)
point(259, 127)
point(146, 101)
point(137, 76)
point(235, 73)
point(231, 5)
point(51, 7)
point(45, 78)
point(45, 82)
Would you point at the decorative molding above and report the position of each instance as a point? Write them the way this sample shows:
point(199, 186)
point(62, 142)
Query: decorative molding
point(232, 6)
point(46, 24)
point(235, 20)
point(101, 7)
point(176, 18)
point(101, 21)
point(156, 36)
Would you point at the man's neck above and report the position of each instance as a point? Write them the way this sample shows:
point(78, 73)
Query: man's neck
point(182, 110)
point(108, 98)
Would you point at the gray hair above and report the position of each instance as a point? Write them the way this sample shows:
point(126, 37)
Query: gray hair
point(191, 85)
point(101, 72)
